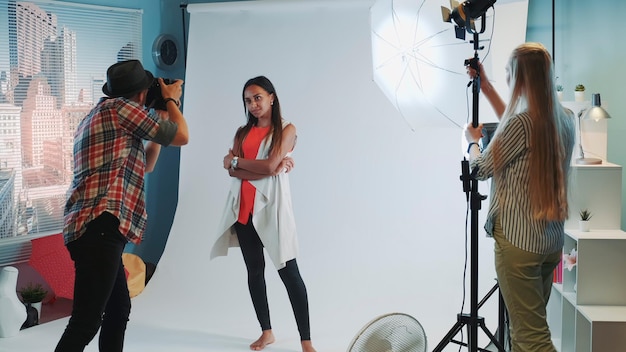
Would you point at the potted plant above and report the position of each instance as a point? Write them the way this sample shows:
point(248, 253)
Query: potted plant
point(579, 92)
point(585, 216)
point(559, 92)
point(32, 295)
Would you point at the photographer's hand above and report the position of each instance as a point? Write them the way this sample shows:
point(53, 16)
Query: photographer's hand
point(174, 90)
point(171, 94)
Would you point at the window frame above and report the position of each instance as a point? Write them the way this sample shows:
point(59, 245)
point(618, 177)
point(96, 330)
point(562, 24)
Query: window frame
point(55, 83)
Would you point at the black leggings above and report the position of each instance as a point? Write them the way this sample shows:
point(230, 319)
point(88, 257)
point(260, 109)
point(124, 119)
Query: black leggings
point(252, 250)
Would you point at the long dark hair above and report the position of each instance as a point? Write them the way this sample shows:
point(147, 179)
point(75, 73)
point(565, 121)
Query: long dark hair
point(276, 129)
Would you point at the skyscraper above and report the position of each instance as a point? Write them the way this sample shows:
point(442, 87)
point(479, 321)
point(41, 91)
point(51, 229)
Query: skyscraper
point(70, 75)
point(29, 29)
point(10, 168)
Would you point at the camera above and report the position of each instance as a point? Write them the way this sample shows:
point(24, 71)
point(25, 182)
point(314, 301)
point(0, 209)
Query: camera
point(154, 99)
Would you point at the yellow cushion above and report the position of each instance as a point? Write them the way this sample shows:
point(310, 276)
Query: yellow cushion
point(136, 273)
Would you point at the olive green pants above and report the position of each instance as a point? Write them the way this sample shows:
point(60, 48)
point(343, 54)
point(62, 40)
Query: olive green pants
point(525, 281)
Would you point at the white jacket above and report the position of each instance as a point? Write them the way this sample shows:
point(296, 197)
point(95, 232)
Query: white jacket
point(272, 215)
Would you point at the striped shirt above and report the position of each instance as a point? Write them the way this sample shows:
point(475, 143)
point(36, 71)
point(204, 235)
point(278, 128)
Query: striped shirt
point(510, 203)
point(109, 166)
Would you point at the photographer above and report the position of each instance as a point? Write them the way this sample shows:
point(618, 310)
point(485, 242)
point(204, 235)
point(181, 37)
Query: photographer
point(105, 208)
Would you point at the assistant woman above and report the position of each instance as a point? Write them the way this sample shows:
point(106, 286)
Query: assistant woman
point(528, 161)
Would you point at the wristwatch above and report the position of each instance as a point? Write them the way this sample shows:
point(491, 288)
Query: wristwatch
point(233, 162)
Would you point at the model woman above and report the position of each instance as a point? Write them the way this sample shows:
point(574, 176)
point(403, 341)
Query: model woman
point(258, 212)
point(528, 159)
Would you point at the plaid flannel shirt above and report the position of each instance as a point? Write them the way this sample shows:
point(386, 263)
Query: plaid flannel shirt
point(109, 167)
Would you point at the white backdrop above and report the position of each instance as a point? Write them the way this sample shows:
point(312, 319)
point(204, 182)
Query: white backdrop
point(379, 208)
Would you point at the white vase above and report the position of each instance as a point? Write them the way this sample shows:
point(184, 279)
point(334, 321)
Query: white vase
point(13, 312)
point(560, 95)
point(579, 96)
point(584, 225)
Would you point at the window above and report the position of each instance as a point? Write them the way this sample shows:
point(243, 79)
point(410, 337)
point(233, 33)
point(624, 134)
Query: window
point(53, 61)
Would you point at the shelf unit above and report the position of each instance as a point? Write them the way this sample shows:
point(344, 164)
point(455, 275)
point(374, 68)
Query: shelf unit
point(599, 189)
point(587, 312)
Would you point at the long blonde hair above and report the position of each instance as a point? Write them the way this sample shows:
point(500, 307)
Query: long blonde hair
point(532, 89)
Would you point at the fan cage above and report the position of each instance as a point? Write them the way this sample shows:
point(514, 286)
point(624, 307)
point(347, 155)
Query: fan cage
point(393, 332)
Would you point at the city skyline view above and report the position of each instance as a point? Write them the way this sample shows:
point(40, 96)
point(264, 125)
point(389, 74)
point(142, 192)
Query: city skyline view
point(53, 61)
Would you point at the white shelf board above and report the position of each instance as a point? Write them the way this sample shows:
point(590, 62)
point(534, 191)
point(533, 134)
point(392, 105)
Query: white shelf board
point(603, 313)
point(597, 234)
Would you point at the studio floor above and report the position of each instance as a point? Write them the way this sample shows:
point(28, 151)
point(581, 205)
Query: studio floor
point(143, 337)
point(163, 335)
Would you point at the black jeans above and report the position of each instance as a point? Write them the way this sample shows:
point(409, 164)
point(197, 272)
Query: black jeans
point(101, 298)
point(252, 251)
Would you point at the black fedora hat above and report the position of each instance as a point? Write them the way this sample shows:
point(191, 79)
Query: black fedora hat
point(125, 78)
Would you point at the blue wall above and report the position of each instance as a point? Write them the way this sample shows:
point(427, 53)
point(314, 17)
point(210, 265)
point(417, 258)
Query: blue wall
point(162, 184)
point(588, 50)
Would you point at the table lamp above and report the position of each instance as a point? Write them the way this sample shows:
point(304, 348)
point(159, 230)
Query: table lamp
point(596, 113)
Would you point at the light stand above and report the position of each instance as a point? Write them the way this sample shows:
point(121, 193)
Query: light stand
point(470, 187)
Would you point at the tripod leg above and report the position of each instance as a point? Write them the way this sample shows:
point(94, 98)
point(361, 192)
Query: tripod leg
point(449, 336)
point(493, 339)
point(503, 324)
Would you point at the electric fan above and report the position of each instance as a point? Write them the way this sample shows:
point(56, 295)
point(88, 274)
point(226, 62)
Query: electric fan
point(393, 332)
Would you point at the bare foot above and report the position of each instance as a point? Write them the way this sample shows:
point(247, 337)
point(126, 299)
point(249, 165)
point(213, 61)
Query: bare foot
point(267, 337)
point(307, 346)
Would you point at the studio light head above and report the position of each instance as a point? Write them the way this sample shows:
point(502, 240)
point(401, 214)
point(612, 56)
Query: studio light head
point(464, 14)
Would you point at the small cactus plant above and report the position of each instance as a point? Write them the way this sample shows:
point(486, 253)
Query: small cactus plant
point(585, 215)
point(579, 88)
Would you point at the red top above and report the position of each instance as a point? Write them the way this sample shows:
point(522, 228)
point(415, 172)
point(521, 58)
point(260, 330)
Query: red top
point(250, 148)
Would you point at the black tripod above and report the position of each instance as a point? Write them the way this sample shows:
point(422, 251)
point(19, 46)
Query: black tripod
point(470, 187)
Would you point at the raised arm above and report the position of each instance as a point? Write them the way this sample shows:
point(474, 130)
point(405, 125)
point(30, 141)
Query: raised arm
point(488, 90)
point(172, 93)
